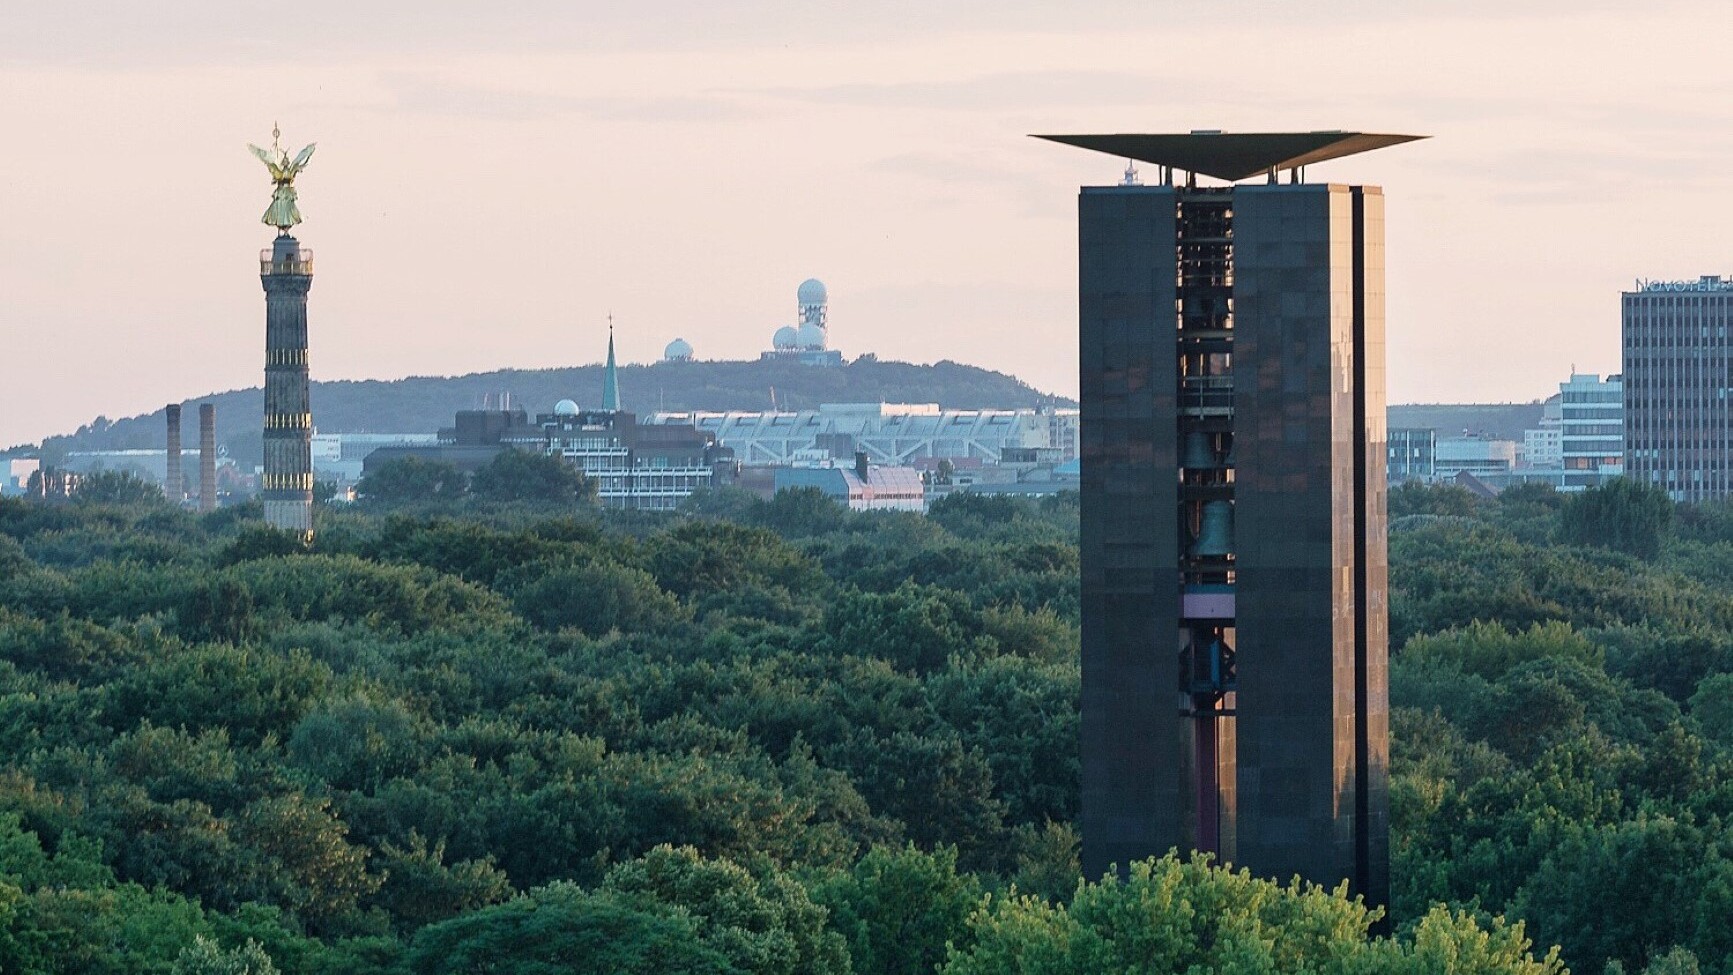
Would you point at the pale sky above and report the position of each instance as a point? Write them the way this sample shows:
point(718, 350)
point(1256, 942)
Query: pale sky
point(493, 179)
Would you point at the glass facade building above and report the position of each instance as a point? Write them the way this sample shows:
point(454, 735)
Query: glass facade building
point(1233, 538)
point(1678, 370)
point(1591, 431)
point(1412, 453)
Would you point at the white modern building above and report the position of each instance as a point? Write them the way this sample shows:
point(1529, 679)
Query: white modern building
point(888, 433)
point(1063, 426)
point(1480, 456)
point(1543, 446)
point(1591, 430)
point(339, 456)
point(15, 474)
point(145, 463)
point(1580, 442)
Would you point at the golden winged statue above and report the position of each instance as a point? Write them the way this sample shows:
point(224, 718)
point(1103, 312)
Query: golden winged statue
point(282, 212)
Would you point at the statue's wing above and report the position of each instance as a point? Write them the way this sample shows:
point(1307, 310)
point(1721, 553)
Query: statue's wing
point(306, 154)
point(269, 160)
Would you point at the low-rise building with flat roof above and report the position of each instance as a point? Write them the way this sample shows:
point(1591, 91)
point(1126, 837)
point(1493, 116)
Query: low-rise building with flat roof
point(864, 487)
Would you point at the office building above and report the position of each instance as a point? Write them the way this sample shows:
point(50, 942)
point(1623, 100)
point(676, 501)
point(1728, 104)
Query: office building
point(1591, 431)
point(1062, 427)
point(15, 475)
point(649, 468)
point(1484, 457)
point(339, 456)
point(1410, 454)
point(1543, 447)
point(1543, 450)
point(1233, 492)
point(1676, 382)
point(145, 463)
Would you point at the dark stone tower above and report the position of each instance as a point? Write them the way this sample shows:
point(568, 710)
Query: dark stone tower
point(1233, 536)
point(286, 271)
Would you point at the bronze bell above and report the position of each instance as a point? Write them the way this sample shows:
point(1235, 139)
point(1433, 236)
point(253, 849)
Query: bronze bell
point(1216, 535)
point(1199, 454)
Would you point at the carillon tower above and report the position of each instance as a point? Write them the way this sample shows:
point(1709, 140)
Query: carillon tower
point(286, 271)
point(1233, 523)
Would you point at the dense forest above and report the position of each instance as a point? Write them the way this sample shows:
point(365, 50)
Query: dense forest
point(479, 732)
point(424, 404)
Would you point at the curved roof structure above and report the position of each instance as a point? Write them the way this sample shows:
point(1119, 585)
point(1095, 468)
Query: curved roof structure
point(1237, 155)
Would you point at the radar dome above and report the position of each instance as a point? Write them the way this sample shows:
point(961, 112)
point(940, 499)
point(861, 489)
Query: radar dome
point(565, 407)
point(810, 337)
point(678, 350)
point(812, 292)
point(787, 337)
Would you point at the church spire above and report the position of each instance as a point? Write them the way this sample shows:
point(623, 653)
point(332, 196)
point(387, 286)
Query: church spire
point(610, 376)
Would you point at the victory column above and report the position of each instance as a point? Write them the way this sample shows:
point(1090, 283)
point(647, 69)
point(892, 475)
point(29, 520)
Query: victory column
point(286, 271)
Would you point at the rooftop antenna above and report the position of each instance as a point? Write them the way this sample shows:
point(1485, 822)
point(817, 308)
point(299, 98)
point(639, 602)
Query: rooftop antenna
point(1131, 178)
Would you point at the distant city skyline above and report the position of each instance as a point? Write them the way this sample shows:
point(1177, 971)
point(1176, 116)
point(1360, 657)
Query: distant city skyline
point(489, 187)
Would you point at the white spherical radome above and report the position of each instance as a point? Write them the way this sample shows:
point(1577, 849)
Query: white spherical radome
point(565, 407)
point(810, 337)
point(678, 349)
point(787, 337)
point(812, 292)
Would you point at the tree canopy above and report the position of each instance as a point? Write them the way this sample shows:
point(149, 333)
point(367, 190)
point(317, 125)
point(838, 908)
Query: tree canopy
point(777, 736)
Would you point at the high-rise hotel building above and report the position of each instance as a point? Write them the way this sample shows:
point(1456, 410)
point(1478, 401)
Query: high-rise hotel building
point(1233, 488)
point(1678, 386)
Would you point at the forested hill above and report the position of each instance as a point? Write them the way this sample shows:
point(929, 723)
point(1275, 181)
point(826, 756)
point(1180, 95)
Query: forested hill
point(423, 404)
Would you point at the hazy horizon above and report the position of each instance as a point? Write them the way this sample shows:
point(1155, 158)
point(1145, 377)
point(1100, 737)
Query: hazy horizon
point(488, 188)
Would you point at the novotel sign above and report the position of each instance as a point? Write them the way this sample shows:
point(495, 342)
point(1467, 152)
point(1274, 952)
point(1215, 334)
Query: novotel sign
point(1705, 283)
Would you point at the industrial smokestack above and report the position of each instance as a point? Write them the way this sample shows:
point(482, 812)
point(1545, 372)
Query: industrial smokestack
point(174, 486)
point(207, 457)
point(860, 465)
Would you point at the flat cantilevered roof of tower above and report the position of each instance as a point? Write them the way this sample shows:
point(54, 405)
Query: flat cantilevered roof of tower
point(1237, 155)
